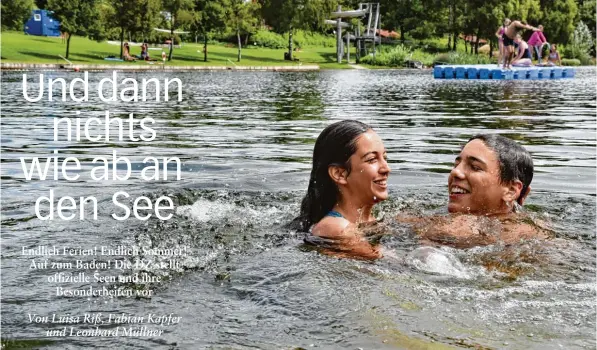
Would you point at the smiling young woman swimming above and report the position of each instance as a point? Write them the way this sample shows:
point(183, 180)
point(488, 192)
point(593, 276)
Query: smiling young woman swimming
point(488, 184)
point(349, 176)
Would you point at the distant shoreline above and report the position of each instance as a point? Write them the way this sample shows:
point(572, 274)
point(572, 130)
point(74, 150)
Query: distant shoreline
point(102, 67)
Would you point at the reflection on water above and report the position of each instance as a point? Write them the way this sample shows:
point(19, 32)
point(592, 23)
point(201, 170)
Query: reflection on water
point(246, 141)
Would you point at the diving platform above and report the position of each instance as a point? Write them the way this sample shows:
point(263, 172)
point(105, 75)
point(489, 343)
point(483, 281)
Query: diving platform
point(495, 72)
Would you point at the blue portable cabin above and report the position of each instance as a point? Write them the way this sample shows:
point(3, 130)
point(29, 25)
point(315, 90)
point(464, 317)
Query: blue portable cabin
point(42, 23)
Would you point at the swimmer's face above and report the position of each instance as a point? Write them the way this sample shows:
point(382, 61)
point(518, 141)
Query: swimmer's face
point(506, 22)
point(474, 182)
point(367, 182)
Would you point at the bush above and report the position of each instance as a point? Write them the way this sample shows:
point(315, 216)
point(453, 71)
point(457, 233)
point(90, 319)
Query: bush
point(392, 57)
point(265, 38)
point(431, 46)
point(460, 58)
point(423, 57)
point(580, 44)
point(570, 62)
point(301, 38)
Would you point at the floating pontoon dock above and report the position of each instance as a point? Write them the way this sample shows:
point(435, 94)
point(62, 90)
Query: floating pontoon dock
point(493, 71)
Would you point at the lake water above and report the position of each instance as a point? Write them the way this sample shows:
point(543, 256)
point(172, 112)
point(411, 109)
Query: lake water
point(245, 140)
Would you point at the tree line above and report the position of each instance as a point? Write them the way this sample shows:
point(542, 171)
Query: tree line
point(413, 19)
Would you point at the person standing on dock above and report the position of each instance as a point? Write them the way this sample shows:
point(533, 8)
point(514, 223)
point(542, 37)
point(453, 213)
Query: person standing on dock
point(509, 35)
point(499, 34)
point(537, 41)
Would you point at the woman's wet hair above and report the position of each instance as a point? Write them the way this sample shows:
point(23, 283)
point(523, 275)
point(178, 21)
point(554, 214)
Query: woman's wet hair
point(515, 161)
point(334, 146)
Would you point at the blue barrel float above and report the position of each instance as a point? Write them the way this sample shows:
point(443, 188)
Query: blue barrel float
point(495, 72)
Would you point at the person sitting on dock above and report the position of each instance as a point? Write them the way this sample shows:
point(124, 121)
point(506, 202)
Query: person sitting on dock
point(554, 58)
point(537, 41)
point(487, 186)
point(509, 36)
point(523, 57)
point(349, 176)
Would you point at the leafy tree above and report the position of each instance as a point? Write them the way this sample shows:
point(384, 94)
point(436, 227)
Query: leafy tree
point(148, 18)
point(41, 4)
point(559, 18)
point(123, 15)
point(417, 18)
point(132, 16)
point(77, 17)
point(210, 16)
point(179, 14)
point(243, 18)
point(288, 15)
point(529, 11)
point(586, 12)
point(581, 42)
point(15, 13)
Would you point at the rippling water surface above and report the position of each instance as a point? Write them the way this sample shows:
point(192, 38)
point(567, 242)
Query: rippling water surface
point(245, 140)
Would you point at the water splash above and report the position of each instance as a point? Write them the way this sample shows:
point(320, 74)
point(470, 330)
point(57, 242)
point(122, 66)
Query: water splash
point(439, 261)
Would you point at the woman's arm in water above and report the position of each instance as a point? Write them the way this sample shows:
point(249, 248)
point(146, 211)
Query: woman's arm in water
point(344, 239)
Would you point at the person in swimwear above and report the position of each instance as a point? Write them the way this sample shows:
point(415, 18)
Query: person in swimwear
point(499, 33)
point(554, 58)
point(508, 39)
point(349, 176)
point(523, 57)
point(126, 53)
point(488, 184)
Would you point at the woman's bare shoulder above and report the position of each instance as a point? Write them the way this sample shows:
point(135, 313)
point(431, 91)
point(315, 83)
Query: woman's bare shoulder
point(344, 239)
point(331, 227)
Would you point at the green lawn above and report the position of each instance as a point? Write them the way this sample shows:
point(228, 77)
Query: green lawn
point(20, 48)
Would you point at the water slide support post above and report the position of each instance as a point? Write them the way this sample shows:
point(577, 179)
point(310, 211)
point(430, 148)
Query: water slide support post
point(375, 27)
point(339, 37)
point(357, 34)
point(347, 47)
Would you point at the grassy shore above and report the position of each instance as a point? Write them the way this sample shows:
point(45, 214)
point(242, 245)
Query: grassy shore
point(20, 48)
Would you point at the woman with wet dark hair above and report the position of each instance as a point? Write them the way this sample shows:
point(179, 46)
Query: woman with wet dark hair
point(349, 176)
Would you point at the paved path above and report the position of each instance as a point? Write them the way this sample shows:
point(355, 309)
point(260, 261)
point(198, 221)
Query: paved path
point(356, 66)
point(156, 67)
